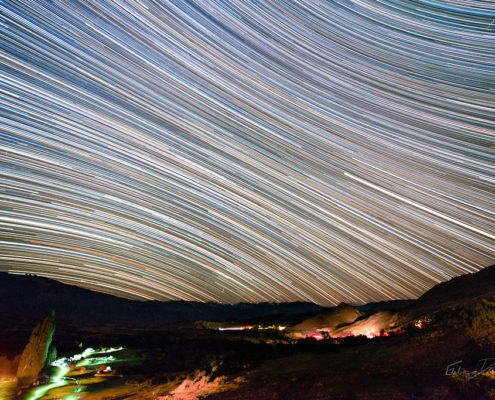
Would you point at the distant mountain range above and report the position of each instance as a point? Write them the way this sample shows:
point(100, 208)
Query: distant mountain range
point(29, 296)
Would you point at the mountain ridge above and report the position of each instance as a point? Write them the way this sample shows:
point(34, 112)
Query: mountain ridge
point(40, 295)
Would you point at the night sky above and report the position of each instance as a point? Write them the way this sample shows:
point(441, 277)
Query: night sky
point(230, 151)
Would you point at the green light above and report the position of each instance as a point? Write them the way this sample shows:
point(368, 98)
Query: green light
point(56, 381)
point(95, 361)
point(62, 369)
point(110, 350)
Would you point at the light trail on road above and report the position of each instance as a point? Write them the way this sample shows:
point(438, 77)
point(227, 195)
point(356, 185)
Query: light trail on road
point(59, 378)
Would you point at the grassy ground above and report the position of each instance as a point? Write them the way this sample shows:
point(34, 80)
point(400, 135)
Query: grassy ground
point(7, 389)
point(405, 368)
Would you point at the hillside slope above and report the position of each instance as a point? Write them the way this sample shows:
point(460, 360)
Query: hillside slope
point(465, 290)
point(457, 291)
point(34, 297)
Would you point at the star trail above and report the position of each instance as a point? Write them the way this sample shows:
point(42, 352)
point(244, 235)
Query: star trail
point(231, 151)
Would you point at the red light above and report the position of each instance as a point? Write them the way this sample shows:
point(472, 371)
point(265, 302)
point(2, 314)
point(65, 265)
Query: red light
point(316, 336)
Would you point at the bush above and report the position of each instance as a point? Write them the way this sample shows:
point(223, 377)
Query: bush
point(476, 315)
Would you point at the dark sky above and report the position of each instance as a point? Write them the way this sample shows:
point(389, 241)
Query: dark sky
point(248, 151)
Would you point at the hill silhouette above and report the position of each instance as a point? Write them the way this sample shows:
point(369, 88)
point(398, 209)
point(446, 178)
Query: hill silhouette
point(30, 296)
point(465, 290)
point(457, 291)
point(33, 297)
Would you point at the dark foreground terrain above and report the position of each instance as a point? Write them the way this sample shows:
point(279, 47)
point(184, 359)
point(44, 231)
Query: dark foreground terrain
point(441, 346)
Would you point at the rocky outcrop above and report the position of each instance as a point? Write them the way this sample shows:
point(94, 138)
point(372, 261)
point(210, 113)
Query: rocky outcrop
point(341, 315)
point(34, 356)
point(371, 326)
